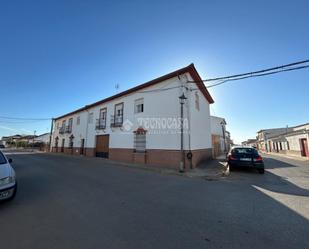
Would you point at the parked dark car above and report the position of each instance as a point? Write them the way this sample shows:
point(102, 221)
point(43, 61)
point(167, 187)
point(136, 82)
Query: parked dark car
point(241, 156)
point(2, 146)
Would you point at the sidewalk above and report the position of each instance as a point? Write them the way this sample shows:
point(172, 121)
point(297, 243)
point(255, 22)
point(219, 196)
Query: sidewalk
point(20, 151)
point(210, 170)
point(299, 158)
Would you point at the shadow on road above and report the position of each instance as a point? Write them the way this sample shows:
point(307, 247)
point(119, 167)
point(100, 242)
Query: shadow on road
point(269, 180)
point(144, 209)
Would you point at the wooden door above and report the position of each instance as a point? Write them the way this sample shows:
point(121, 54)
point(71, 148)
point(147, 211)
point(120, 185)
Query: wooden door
point(304, 147)
point(102, 146)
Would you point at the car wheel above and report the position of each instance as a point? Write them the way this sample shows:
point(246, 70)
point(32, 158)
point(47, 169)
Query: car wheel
point(261, 171)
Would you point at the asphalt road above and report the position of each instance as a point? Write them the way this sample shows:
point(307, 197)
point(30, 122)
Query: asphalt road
point(74, 202)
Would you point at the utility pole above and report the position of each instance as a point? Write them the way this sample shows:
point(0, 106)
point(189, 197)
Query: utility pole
point(182, 99)
point(50, 135)
point(33, 141)
point(224, 138)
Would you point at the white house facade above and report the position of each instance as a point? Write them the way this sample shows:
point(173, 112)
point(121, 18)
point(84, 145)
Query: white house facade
point(143, 124)
point(292, 142)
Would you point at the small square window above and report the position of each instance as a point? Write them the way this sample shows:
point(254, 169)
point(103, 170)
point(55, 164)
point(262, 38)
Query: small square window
point(139, 106)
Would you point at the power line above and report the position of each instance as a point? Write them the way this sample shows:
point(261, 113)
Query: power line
point(28, 119)
point(257, 75)
point(258, 72)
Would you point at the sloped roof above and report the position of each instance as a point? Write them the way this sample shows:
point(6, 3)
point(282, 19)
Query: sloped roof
point(189, 69)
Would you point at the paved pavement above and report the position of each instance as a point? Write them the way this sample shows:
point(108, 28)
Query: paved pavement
point(75, 202)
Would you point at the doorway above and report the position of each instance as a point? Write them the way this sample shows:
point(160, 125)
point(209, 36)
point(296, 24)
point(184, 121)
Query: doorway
point(304, 147)
point(62, 145)
point(82, 145)
point(102, 146)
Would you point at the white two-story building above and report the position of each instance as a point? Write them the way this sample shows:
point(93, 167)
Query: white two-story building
point(143, 124)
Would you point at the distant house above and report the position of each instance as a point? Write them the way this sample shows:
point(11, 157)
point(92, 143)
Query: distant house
point(250, 142)
point(42, 141)
point(142, 124)
point(18, 140)
point(43, 138)
point(263, 142)
point(221, 138)
point(292, 142)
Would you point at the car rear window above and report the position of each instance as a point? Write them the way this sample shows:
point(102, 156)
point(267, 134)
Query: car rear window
point(244, 151)
point(2, 158)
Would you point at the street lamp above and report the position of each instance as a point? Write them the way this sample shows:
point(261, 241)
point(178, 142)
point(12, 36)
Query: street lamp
point(182, 100)
point(223, 133)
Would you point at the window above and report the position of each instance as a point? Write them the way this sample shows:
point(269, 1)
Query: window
point(117, 118)
point(71, 142)
point(90, 118)
point(101, 122)
point(238, 151)
point(103, 114)
point(62, 128)
point(70, 124)
point(139, 106)
point(78, 120)
point(197, 101)
point(140, 140)
point(56, 142)
point(58, 124)
point(2, 158)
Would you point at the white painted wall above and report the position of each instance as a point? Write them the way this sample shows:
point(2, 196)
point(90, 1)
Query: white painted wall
point(301, 127)
point(294, 142)
point(158, 104)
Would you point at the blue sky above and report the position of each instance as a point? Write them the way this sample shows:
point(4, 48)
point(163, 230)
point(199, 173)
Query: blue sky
point(56, 56)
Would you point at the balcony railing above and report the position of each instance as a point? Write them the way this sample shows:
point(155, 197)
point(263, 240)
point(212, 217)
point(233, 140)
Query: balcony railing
point(100, 124)
point(68, 129)
point(116, 121)
point(62, 130)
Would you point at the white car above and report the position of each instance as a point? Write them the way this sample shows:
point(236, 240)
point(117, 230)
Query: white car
point(8, 184)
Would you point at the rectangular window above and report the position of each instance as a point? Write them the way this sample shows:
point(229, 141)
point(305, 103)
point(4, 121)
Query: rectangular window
point(90, 118)
point(103, 114)
point(70, 124)
point(117, 118)
point(140, 142)
point(78, 120)
point(197, 101)
point(101, 122)
point(139, 106)
point(62, 128)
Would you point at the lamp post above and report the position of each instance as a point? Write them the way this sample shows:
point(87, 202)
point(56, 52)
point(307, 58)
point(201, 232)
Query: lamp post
point(223, 133)
point(33, 141)
point(182, 100)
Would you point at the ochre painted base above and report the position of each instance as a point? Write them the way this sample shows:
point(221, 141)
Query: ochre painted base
point(153, 157)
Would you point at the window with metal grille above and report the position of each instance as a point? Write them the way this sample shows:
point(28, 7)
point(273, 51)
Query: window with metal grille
point(140, 142)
